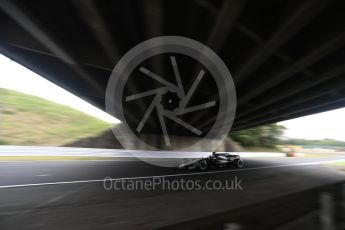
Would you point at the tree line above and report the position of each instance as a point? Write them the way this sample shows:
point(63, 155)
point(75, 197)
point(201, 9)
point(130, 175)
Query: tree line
point(270, 136)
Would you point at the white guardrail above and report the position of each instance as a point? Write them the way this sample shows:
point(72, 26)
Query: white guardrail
point(10, 150)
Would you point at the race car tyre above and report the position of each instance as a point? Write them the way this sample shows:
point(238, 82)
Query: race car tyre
point(202, 165)
point(239, 163)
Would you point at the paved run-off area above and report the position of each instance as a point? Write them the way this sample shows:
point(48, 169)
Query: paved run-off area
point(71, 194)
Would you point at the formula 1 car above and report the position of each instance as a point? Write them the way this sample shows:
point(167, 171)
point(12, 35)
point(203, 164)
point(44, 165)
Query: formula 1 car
point(215, 160)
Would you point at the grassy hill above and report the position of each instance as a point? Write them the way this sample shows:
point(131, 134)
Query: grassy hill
point(30, 120)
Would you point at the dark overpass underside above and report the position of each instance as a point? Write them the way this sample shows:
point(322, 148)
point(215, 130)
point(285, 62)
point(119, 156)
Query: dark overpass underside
point(287, 58)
